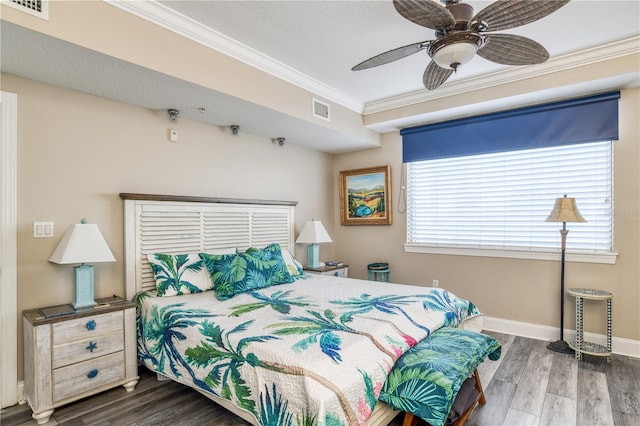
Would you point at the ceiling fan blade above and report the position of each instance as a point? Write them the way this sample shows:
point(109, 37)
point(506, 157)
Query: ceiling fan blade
point(391, 55)
point(435, 75)
point(505, 14)
point(426, 13)
point(508, 49)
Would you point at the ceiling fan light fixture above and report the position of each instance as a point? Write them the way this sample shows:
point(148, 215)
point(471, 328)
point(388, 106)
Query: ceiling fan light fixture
point(455, 49)
point(454, 55)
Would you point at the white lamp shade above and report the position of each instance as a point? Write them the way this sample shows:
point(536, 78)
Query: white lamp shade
point(82, 243)
point(455, 53)
point(313, 232)
point(565, 210)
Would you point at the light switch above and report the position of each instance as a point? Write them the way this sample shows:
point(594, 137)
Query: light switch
point(42, 229)
point(173, 135)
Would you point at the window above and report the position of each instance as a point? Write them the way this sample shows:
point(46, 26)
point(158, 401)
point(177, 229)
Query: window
point(484, 185)
point(499, 201)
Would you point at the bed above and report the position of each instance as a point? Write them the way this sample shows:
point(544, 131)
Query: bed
point(280, 347)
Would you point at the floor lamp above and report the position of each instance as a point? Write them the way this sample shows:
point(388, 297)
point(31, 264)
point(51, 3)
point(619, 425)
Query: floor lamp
point(564, 210)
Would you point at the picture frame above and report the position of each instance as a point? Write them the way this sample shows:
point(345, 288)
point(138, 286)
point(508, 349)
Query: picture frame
point(365, 196)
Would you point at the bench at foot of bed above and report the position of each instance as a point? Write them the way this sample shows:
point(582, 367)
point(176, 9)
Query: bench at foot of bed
point(412, 420)
point(437, 379)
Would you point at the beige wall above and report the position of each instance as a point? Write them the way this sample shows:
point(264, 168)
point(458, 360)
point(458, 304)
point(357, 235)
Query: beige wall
point(77, 152)
point(512, 289)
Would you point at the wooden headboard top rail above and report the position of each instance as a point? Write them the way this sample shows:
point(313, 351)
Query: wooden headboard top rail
point(173, 224)
point(194, 199)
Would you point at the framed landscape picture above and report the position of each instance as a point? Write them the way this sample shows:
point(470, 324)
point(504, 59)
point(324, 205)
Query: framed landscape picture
point(365, 196)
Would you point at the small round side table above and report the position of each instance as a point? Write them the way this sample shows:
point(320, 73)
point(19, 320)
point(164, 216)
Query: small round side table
point(580, 346)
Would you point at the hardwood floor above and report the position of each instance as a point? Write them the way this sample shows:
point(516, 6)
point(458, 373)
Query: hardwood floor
point(529, 385)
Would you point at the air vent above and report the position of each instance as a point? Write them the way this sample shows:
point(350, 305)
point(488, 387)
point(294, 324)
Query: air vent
point(320, 109)
point(39, 8)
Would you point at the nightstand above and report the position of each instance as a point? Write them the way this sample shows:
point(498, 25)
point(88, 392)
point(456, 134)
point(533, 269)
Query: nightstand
point(73, 355)
point(334, 271)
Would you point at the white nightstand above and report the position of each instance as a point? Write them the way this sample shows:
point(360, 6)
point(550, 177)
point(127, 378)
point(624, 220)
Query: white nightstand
point(334, 271)
point(71, 356)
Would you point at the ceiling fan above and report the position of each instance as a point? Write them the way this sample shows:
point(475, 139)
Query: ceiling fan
point(460, 35)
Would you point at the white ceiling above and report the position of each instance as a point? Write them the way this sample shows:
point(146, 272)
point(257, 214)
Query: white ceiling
point(312, 44)
point(325, 39)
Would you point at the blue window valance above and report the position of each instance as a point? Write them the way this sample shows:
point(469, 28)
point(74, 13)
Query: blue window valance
point(589, 119)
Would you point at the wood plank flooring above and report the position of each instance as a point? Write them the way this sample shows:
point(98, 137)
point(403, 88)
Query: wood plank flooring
point(529, 385)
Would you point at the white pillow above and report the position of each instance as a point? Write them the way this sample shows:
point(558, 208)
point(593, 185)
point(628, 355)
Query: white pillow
point(293, 266)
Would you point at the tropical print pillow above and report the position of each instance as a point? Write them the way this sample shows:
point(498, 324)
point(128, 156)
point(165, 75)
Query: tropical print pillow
point(177, 274)
point(254, 269)
point(293, 266)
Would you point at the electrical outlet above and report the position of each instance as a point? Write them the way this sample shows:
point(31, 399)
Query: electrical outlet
point(436, 283)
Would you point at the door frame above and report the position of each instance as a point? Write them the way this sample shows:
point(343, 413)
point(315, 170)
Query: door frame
point(8, 249)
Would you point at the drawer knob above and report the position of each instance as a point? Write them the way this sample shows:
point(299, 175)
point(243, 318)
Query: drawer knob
point(93, 373)
point(92, 346)
point(91, 325)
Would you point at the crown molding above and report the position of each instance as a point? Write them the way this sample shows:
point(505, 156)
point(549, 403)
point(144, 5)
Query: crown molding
point(569, 61)
point(165, 17)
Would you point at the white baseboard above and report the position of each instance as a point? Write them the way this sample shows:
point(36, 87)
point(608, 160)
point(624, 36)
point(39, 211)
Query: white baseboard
point(21, 398)
point(619, 345)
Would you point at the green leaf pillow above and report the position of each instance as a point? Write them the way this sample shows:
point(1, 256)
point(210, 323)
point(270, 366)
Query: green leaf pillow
point(293, 266)
point(255, 269)
point(177, 274)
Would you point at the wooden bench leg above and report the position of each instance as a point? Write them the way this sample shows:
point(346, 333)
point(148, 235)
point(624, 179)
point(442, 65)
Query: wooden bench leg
point(482, 399)
point(409, 420)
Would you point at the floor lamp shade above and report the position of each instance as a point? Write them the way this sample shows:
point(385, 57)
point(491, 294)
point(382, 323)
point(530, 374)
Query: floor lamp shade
point(82, 243)
point(313, 233)
point(564, 210)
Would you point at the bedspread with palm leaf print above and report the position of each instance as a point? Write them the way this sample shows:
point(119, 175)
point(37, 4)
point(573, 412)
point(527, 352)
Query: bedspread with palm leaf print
point(313, 352)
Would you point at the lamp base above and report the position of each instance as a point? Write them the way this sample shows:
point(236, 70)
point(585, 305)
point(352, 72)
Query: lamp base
point(560, 346)
point(313, 256)
point(83, 296)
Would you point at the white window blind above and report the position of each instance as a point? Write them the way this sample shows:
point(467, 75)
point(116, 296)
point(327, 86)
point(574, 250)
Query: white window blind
point(500, 201)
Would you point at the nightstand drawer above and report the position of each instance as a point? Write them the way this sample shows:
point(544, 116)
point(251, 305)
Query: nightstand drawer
point(340, 272)
point(86, 327)
point(77, 378)
point(82, 350)
point(332, 271)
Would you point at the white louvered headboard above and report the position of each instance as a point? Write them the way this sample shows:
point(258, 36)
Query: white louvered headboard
point(179, 224)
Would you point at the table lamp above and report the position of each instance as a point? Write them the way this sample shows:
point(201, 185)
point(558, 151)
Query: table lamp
point(313, 233)
point(82, 243)
point(564, 210)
